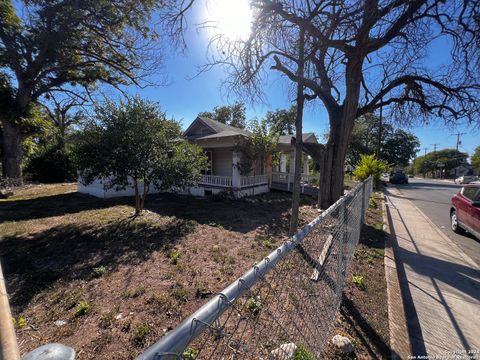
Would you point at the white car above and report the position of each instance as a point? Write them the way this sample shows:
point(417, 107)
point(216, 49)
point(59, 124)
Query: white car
point(466, 179)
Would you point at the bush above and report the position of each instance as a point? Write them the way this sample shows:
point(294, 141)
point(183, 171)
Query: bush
point(51, 166)
point(369, 165)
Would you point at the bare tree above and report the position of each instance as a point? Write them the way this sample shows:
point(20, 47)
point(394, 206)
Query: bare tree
point(360, 56)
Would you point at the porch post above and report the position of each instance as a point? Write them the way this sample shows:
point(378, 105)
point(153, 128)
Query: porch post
point(305, 164)
point(236, 170)
point(283, 162)
point(292, 162)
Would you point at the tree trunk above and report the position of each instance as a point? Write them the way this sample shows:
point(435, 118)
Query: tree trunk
point(297, 176)
point(12, 150)
point(137, 197)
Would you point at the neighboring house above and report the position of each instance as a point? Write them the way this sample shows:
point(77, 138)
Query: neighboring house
point(462, 170)
point(220, 142)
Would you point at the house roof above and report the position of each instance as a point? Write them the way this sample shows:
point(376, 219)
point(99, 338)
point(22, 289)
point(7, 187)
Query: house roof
point(217, 128)
point(306, 138)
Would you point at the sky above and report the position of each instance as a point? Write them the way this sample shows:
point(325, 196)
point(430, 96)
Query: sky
point(189, 93)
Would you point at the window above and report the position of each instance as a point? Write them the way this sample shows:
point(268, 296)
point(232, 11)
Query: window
point(470, 192)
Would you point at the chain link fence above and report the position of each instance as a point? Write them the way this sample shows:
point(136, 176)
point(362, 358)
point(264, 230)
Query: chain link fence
point(284, 305)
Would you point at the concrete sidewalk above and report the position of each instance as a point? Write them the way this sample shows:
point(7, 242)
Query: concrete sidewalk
point(434, 288)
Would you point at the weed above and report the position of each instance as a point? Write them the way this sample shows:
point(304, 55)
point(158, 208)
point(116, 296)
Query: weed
point(134, 293)
point(174, 255)
point(162, 301)
point(140, 333)
point(302, 353)
point(99, 271)
point(179, 293)
point(20, 323)
point(66, 300)
point(107, 319)
point(213, 223)
point(101, 341)
point(190, 354)
point(370, 259)
point(254, 305)
point(359, 282)
point(269, 243)
point(83, 308)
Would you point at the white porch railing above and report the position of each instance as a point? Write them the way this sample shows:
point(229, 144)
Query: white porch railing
point(216, 180)
point(253, 180)
point(287, 178)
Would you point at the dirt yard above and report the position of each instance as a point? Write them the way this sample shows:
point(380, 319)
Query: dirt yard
point(363, 317)
point(83, 272)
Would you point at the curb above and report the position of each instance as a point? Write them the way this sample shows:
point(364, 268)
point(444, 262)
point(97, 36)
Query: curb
point(400, 344)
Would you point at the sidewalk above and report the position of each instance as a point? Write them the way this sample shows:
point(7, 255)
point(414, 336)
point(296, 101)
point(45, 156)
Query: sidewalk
point(434, 288)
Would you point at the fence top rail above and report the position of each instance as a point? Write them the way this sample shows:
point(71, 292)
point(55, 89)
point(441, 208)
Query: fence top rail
point(179, 338)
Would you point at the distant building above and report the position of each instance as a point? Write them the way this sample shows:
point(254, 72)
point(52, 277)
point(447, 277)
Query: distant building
point(461, 170)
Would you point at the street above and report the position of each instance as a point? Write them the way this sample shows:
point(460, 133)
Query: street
point(432, 197)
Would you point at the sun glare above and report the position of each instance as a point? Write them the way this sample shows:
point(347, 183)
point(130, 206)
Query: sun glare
point(231, 18)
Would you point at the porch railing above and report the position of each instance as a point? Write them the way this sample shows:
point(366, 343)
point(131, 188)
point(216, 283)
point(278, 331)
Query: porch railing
point(288, 178)
point(216, 180)
point(253, 180)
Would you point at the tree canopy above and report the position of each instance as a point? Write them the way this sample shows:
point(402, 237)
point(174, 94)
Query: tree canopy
point(59, 45)
point(282, 121)
point(133, 145)
point(476, 159)
point(397, 146)
point(233, 115)
point(447, 159)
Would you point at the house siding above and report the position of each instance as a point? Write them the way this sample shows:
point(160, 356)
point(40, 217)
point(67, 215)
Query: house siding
point(222, 162)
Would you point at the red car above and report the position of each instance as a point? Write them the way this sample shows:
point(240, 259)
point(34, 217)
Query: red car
point(465, 210)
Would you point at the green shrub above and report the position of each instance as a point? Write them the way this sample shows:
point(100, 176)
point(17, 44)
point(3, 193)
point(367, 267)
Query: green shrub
point(174, 256)
point(51, 166)
point(369, 165)
point(190, 354)
point(83, 308)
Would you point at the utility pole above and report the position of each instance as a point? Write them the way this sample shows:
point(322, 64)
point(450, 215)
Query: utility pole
point(458, 142)
point(435, 159)
point(424, 160)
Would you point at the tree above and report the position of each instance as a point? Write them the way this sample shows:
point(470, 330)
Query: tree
point(132, 144)
point(60, 45)
point(397, 146)
point(361, 56)
point(233, 115)
point(260, 144)
point(282, 120)
point(476, 159)
point(446, 159)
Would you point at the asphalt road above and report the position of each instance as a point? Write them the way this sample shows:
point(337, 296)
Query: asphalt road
point(433, 197)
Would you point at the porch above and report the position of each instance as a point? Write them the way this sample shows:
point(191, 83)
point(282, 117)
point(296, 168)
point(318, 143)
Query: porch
point(284, 182)
point(227, 181)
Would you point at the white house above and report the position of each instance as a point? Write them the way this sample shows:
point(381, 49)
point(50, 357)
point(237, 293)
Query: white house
point(223, 174)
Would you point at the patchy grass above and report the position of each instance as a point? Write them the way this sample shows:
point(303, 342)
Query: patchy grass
point(364, 313)
point(118, 282)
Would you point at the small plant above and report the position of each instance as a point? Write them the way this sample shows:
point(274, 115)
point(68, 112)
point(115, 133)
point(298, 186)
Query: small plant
point(213, 223)
point(134, 293)
point(302, 353)
point(174, 255)
point(140, 333)
point(269, 243)
point(254, 305)
point(190, 354)
point(20, 323)
point(83, 308)
point(99, 271)
point(179, 293)
point(359, 282)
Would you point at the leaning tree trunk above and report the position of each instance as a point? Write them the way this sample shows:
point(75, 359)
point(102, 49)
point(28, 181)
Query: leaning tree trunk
point(12, 150)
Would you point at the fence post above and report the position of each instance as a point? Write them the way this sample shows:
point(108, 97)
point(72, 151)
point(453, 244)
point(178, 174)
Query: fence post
point(362, 216)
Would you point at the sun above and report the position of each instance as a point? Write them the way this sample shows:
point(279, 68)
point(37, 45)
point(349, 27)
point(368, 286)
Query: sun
point(230, 18)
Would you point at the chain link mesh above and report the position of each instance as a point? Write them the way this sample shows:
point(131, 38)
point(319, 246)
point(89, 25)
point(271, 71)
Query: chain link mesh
point(289, 301)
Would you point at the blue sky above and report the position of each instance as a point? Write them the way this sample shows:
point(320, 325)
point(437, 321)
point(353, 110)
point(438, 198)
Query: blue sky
point(184, 98)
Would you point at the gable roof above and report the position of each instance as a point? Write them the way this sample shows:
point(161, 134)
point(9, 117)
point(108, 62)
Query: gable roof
point(217, 128)
point(306, 138)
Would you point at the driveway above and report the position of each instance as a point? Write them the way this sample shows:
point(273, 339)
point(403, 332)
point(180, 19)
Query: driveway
point(432, 197)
